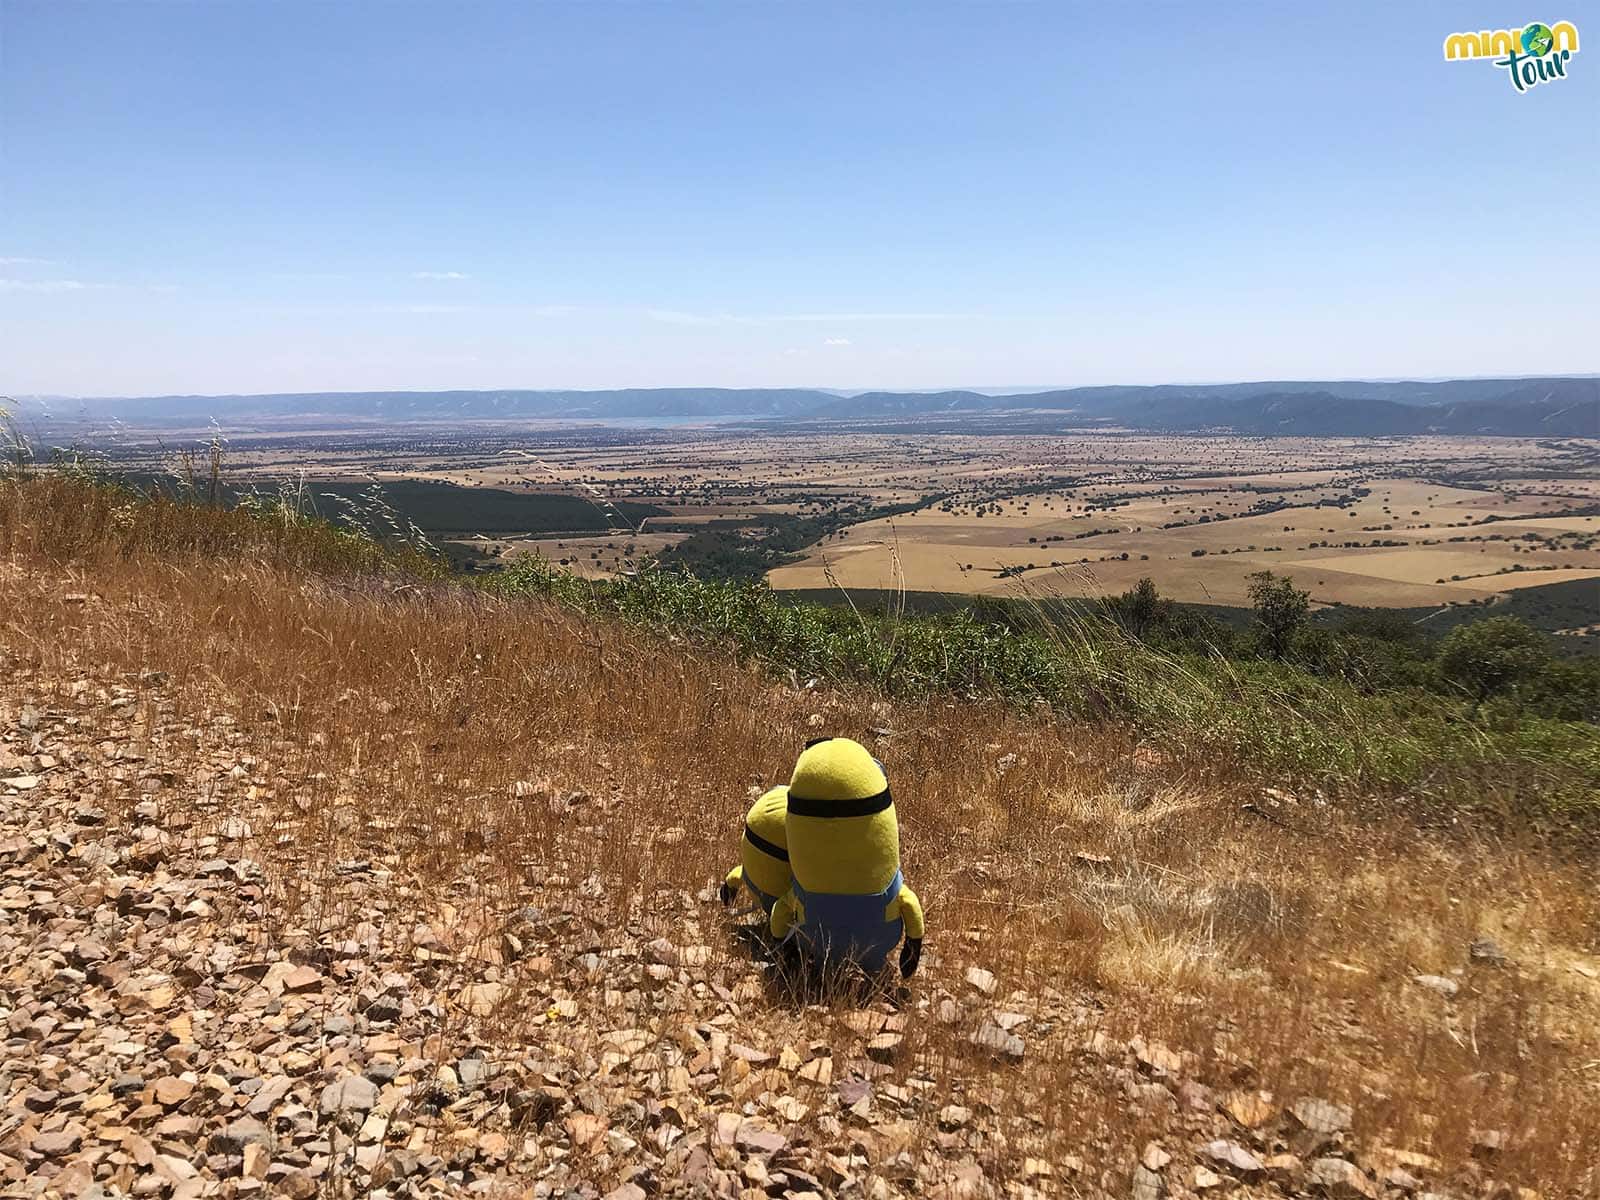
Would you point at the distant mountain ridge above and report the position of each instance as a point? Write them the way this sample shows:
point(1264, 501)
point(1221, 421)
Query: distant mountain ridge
point(1551, 408)
point(1521, 407)
point(471, 405)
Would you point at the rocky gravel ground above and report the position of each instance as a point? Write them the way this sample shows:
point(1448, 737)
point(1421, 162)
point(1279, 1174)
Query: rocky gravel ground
point(195, 1006)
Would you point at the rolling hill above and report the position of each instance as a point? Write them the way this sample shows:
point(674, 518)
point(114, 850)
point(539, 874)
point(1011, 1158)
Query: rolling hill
point(1523, 412)
point(1523, 407)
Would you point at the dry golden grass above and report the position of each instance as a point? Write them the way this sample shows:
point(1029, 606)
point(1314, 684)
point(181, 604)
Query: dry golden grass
point(1116, 892)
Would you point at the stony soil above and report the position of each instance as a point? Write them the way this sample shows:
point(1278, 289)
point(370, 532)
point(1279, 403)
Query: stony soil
point(190, 1012)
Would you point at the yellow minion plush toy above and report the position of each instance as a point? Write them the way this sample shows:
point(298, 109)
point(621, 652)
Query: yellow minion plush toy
point(848, 901)
point(764, 852)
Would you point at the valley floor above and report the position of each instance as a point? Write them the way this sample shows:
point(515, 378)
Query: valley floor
point(332, 888)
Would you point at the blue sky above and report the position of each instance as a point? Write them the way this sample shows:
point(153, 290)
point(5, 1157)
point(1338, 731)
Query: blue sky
point(254, 195)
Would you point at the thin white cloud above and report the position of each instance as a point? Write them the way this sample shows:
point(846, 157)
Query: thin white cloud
point(671, 316)
point(811, 318)
point(78, 285)
point(439, 275)
point(383, 309)
point(837, 342)
point(20, 261)
point(530, 310)
point(48, 285)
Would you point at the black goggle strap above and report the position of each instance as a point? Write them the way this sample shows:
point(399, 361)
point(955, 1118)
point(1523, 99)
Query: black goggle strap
point(766, 847)
point(801, 806)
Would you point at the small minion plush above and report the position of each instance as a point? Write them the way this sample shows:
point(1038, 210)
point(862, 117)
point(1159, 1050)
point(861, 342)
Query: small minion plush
point(848, 901)
point(764, 852)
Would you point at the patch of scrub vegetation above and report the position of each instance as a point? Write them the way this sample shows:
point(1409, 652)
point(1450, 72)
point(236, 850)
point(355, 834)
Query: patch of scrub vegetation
point(1520, 746)
point(1373, 650)
point(745, 550)
point(1552, 607)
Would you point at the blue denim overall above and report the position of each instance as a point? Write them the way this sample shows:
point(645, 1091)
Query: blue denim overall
point(849, 928)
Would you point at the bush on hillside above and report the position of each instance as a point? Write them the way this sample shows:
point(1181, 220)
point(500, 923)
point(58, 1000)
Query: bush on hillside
point(1492, 656)
point(1281, 611)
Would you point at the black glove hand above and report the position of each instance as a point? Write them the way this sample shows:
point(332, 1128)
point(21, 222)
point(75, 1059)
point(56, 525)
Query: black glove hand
point(910, 956)
point(725, 892)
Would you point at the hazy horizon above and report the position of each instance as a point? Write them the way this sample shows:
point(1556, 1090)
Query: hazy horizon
point(996, 390)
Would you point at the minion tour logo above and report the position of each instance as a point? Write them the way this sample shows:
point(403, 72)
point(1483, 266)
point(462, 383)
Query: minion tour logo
point(1535, 54)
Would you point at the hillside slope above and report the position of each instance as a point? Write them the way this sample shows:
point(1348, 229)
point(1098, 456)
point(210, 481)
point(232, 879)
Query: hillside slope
point(338, 882)
point(1553, 411)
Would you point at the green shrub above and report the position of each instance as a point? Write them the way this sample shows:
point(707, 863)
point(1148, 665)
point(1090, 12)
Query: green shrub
point(1493, 656)
point(1281, 611)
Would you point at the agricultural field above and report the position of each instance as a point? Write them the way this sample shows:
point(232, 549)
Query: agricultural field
point(1368, 538)
point(1404, 522)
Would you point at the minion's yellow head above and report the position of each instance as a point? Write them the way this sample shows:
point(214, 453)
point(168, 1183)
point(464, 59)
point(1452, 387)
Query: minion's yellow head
point(765, 846)
point(843, 836)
